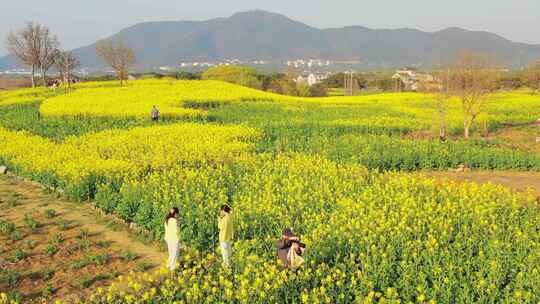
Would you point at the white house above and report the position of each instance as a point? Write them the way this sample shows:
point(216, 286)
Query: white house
point(409, 79)
point(312, 78)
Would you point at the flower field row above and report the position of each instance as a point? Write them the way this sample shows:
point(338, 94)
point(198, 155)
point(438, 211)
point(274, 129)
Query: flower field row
point(185, 98)
point(79, 163)
point(22, 96)
point(370, 237)
point(137, 99)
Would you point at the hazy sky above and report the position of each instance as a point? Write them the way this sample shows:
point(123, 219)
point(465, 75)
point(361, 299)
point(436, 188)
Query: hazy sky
point(81, 22)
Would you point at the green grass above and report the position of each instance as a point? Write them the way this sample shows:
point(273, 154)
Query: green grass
point(26, 117)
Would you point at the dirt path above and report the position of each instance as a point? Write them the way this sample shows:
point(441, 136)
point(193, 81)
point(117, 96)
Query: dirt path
point(34, 199)
point(520, 181)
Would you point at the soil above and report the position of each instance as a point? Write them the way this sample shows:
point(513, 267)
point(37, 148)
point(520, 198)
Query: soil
point(519, 181)
point(91, 250)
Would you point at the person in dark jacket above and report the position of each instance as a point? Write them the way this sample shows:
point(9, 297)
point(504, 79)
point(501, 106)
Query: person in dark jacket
point(155, 113)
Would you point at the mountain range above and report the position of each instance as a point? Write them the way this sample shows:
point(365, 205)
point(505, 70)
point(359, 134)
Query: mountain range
point(260, 35)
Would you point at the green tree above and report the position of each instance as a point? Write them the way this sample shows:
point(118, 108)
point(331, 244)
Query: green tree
point(338, 81)
point(318, 90)
point(533, 76)
point(283, 87)
point(241, 75)
point(303, 89)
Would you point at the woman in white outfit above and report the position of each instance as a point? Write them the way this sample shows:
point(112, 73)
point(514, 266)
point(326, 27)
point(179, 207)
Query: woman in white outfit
point(172, 237)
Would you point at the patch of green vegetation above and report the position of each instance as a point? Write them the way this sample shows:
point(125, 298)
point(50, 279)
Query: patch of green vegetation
point(83, 282)
point(129, 256)
point(82, 244)
point(51, 250)
point(50, 213)
point(91, 259)
point(83, 233)
point(46, 273)
point(9, 277)
point(30, 223)
point(142, 267)
point(18, 255)
point(16, 236)
point(103, 244)
point(30, 244)
point(6, 227)
point(63, 225)
point(47, 291)
point(26, 117)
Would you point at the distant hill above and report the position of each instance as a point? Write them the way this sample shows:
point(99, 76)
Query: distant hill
point(262, 35)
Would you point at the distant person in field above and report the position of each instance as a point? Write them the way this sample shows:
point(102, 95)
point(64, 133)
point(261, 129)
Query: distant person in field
point(172, 237)
point(290, 250)
point(226, 233)
point(155, 113)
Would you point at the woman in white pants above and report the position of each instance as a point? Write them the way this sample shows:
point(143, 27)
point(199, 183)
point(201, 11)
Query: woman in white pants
point(226, 233)
point(172, 237)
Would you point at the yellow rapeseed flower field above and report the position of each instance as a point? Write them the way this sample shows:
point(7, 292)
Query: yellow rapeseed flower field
point(279, 161)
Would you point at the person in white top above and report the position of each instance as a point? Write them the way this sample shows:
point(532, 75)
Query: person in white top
point(172, 237)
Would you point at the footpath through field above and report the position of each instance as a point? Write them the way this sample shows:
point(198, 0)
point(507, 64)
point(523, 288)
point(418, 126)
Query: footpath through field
point(34, 199)
point(520, 181)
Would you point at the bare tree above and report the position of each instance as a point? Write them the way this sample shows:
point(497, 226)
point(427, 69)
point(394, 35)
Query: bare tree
point(473, 77)
point(48, 52)
point(66, 63)
point(533, 76)
point(117, 55)
point(442, 93)
point(25, 46)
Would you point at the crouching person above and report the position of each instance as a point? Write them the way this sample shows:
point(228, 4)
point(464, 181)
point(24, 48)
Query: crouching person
point(290, 250)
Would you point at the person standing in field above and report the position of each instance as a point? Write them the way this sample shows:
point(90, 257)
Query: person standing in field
point(172, 237)
point(226, 233)
point(155, 113)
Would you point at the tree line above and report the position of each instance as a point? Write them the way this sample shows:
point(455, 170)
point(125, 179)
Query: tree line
point(37, 48)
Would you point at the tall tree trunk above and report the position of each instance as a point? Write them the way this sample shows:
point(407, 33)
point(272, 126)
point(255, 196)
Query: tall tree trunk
point(43, 76)
point(466, 127)
point(33, 79)
point(442, 130)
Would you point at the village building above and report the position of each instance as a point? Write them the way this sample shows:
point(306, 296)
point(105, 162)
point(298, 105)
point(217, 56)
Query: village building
point(411, 80)
point(312, 78)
